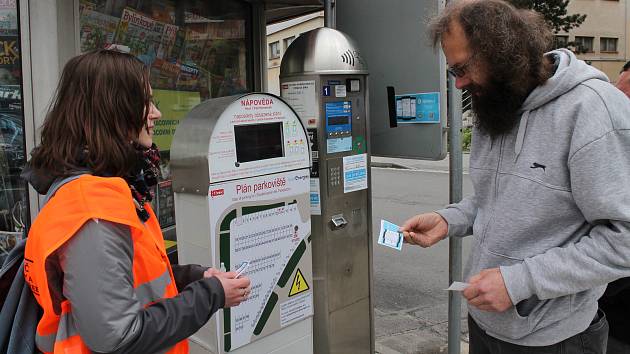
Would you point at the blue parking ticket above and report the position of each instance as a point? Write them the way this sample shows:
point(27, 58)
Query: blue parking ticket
point(390, 236)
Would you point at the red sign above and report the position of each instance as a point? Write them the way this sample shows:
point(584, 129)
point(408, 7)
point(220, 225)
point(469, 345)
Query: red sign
point(217, 192)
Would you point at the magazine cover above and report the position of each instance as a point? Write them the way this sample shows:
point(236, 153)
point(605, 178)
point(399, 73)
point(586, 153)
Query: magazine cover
point(164, 74)
point(193, 46)
point(8, 17)
point(86, 5)
point(97, 29)
point(169, 35)
point(141, 34)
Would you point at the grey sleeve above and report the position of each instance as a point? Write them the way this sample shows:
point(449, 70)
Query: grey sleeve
point(600, 185)
point(97, 266)
point(460, 217)
point(186, 274)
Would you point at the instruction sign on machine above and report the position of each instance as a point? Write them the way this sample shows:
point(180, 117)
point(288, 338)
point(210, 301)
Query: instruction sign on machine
point(257, 218)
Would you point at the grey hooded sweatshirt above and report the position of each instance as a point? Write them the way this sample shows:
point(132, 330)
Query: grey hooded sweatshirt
point(551, 206)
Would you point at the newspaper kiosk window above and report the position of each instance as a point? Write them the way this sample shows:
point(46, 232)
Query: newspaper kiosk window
point(13, 191)
point(196, 50)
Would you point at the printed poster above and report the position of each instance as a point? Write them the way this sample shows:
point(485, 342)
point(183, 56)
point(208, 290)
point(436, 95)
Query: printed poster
point(418, 108)
point(174, 106)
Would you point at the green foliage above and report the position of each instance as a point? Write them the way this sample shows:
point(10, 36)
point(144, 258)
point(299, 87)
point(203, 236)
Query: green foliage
point(466, 138)
point(554, 11)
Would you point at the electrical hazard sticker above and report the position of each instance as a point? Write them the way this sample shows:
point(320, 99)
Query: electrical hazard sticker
point(299, 284)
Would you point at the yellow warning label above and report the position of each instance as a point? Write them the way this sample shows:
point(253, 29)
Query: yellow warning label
point(299, 284)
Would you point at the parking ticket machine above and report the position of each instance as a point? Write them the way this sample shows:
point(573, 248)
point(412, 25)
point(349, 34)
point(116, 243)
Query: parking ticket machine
point(324, 78)
point(240, 168)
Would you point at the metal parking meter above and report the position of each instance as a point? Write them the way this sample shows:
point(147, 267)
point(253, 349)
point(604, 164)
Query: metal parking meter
point(324, 78)
point(241, 181)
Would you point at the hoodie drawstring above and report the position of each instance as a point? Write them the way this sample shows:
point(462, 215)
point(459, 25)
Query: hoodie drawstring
point(520, 136)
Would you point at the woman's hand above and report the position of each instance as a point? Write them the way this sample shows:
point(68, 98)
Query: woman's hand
point(211, 272)
point(236, 289)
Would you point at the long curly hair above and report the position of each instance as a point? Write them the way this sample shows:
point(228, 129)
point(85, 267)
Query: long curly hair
point(510, 42)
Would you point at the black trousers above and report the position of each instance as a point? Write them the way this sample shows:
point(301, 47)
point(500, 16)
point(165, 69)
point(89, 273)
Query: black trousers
point(592, 341)
point(615, 346)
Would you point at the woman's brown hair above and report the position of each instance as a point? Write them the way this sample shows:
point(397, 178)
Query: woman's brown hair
point(100, 106)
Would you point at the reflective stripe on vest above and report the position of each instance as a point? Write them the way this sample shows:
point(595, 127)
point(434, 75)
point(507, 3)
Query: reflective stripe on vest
point(146, 293)
point(109, 199)
point(154, 290)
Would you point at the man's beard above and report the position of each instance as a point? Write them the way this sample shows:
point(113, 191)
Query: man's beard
point(496, 107)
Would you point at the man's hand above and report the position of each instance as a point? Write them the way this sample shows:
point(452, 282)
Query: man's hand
point(425, 229)
point(487, 291)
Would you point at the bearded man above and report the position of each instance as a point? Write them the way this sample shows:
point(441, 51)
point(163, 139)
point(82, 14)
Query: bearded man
point(550, 213)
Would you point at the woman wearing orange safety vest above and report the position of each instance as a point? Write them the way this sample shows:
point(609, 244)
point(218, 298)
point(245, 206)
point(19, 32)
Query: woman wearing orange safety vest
point(95, 257)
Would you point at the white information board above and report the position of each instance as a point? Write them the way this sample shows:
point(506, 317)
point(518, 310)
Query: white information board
point(265, 221)
point(302, 97)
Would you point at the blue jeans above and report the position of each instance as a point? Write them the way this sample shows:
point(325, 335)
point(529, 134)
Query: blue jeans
point(592, 341)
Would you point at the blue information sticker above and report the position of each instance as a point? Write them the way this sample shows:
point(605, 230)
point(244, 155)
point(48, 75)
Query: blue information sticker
point(418, 108)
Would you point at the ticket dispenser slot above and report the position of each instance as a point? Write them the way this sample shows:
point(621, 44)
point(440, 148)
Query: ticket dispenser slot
point(325, 79)
point(241, 169)
point(338, 221)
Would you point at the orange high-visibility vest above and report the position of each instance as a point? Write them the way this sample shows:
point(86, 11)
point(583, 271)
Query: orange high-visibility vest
point(76, 202)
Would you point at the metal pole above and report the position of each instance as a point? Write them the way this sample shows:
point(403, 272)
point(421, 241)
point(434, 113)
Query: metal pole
point(330, 19)
point(455, 195)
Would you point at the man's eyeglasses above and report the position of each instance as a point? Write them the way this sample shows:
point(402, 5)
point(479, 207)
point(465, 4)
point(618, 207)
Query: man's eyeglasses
point(459, 70)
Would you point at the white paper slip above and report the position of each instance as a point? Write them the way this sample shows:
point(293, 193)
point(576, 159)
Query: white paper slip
point(241, 269)
point(458, 286)
point(390, 236)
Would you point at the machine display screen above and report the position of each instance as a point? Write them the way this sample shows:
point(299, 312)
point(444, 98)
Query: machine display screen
point(258, 141)
point(340, 120)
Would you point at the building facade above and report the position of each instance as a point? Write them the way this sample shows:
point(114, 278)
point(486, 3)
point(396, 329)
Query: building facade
point(604, 37)
point(279, 37)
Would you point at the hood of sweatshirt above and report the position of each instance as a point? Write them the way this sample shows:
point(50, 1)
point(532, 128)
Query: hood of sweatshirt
point(570, 72)
point(39, 180)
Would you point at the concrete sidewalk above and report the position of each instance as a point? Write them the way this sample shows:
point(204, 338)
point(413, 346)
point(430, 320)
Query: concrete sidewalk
point(422, 330)
point(381, 349)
